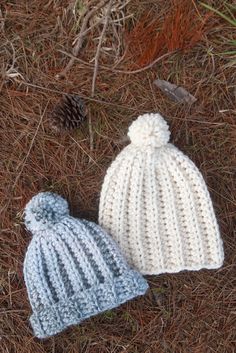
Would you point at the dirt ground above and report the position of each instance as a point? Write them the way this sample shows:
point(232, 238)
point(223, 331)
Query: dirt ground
point(188, 312)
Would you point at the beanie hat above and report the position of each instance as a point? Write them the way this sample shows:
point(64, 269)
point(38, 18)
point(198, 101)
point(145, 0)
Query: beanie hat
point(72, 268)
point(155, 204)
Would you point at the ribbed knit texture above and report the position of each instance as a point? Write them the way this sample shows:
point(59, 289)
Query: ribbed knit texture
point(155, 204)
point(72, 268)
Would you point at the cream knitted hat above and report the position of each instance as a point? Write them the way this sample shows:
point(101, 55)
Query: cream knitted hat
point(155, 204)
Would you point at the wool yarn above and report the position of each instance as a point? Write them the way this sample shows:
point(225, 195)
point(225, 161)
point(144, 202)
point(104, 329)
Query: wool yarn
point(155, 204)
point(72, 268)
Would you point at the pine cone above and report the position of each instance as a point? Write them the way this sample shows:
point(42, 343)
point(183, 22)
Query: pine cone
point(69, 113)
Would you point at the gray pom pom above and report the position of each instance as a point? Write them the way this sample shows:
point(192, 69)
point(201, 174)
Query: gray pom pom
point(44, 210)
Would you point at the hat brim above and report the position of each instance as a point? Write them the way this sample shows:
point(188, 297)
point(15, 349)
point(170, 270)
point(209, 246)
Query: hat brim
point(85, 304)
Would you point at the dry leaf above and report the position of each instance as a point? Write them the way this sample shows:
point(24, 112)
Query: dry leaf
point(176, 93)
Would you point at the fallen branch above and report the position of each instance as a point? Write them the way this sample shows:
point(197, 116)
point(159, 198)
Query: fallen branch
point(96, 59)
point(160, 58)
point(81, 37)
point(88, 98)
point(2, 21)
point(90, 134)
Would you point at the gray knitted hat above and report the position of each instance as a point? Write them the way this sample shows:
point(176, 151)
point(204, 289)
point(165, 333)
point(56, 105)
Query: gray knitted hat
point(72, 268)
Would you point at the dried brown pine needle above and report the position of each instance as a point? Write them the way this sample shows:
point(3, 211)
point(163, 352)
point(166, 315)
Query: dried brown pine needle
point(153, 36)
point(186, 312)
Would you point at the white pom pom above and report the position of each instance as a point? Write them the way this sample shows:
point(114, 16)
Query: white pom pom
point(44, 210)
point(149, 130)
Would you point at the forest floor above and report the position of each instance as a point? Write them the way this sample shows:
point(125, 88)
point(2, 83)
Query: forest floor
point(188, 312)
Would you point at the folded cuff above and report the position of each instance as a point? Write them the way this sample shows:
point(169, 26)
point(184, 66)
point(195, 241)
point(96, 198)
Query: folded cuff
point(93, 301)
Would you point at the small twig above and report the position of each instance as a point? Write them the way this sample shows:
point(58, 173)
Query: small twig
point(90, 134)
point(80, 38)
point(120, 59)
point(2, 21)
point(100, 101)
point(96, 59)
point(88, 30)
point(84, 26)
point(3, 17)
point(87, 154)
point(122, 71)
point(99, 46)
